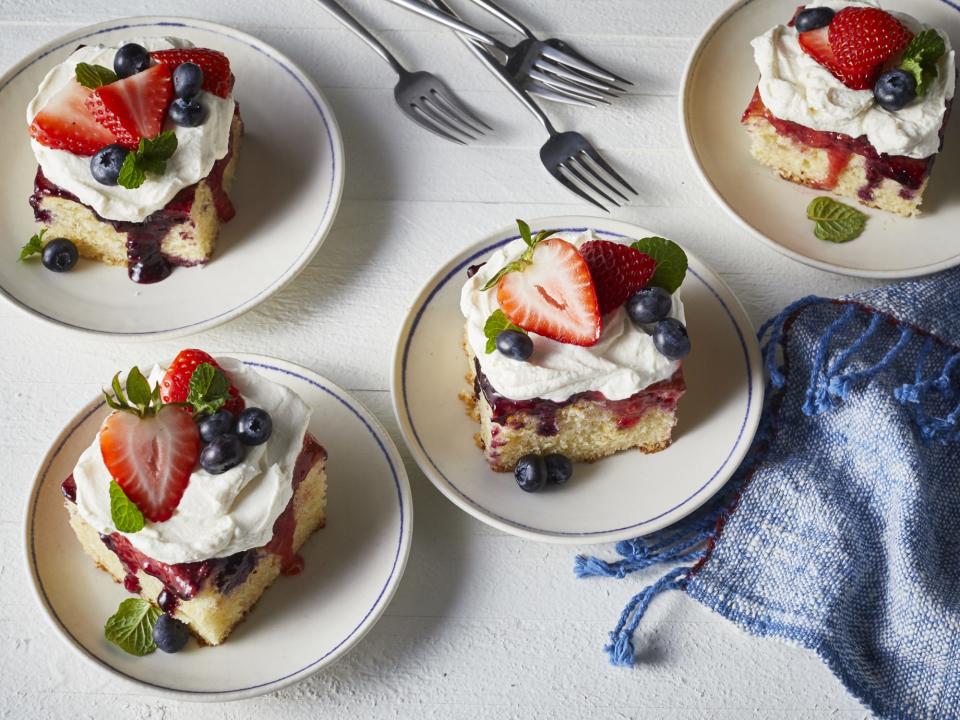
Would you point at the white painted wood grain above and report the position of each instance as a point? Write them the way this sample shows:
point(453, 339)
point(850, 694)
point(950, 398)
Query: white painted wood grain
point(484, 624)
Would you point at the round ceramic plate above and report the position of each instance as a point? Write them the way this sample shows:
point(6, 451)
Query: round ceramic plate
point(288, 184)
point(301, 623)
point(622, 496)
point(718, 84)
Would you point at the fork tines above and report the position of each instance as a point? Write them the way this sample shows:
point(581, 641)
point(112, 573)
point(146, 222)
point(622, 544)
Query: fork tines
point(440, 112)
point(569, 74)
point(585, 172)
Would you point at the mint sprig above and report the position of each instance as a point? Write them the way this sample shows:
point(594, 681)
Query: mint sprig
point(209, 389)
point(33, 246)
point(524, 260)
point(921, 56)
point(94, 76)
point(835, 221)
point(126, 516)
point(150, 157)
point(131, 627)
point(138, 398)
point(671, 262)
point(496, 324)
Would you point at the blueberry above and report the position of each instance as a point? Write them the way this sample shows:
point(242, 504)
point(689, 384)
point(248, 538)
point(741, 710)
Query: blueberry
point(169, 634)
point(559, 468)
point(187, 80)
point(254, 426)
point(60, 255)
point(514, 344)
point(106, 163)
point(187, 113)
point(671, 339)
point(130, 59)
point(814, 19)
point(649, 305)
point(213, 426)
point(531, 473)
point(895, 89)
point(223, 453)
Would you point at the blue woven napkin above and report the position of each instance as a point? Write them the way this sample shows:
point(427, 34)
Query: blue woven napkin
point(841, 530)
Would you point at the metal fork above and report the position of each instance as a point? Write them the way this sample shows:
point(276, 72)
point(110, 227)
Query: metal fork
point(532, 63)
point(568, 156)
point(422, 96)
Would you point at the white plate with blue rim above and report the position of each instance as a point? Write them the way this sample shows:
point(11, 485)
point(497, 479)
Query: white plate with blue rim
point(618, 497)
point(719, 80)
point(352, 566)
point(288, 184)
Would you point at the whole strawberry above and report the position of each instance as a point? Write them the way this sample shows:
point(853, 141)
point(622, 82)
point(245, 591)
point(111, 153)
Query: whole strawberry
point(618, 271)
point(175, 385)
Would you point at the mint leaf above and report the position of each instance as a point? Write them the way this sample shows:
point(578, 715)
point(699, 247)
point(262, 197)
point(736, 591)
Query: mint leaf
point(150, 157)
point(131, 627)
point(496, 324)
point(921, 56)
point(94, 76)
point(33, 246)
point(125, 514)
point(209, 389)
point(835, 221)
point(671, 262)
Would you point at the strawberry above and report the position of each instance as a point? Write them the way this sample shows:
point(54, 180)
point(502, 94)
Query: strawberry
point(134, 107)
point(551, 293)
point(151, 457)
point(618, 271)
point(65, 123)
point(857, 44)
point(217, 78)
point(175, 385)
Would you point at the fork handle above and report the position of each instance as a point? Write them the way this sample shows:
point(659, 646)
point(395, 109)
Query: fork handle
point(341, 14)
point(421, 8)
point(501, 14)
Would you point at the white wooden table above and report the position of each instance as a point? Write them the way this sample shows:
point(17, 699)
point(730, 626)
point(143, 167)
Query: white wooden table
point(484, 624)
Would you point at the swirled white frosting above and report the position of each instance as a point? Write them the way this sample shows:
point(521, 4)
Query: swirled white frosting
point(621, 364)
point(198, 148)
point(218, 515)
point(796, 87)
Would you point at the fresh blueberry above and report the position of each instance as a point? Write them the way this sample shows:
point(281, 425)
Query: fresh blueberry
point(649, 305)
point(169, 634)
point(106, 163)
point(130, 59)
point(895, 89)
point(254, 426)
point(187, 113)
point(671, 339)
point(60, 255)
point(559, 468)
point(222, 422)
point(531, 473)
point(515, 344)
point(814, 19)
point(187, 80)
point(223, 453)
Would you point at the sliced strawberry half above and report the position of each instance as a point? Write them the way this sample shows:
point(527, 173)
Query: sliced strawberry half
point(618, 271)
point(175, 385)
point(553, 295)
point(816, 44)
point(151, 458)
point(65, 123)
point(134, 107)
point(217, 78)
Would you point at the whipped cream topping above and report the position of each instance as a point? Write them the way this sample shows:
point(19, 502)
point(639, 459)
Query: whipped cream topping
point(218, 515)
point(198, 148)
point(796, 87)
point(621, 364)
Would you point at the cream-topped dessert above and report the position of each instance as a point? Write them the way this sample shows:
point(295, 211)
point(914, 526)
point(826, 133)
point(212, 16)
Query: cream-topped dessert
point(196, 493)
point(575, 341)
point(853, 99)
point(136, 148)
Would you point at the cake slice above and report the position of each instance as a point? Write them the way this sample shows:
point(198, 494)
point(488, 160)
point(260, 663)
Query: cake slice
point(854, 100)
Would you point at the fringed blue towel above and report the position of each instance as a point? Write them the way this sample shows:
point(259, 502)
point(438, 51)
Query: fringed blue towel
point(841, 530)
